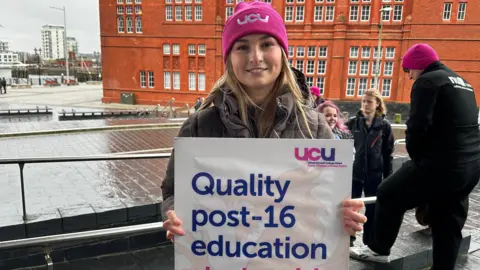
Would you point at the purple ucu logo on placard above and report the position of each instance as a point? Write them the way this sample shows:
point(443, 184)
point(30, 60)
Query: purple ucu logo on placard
point(314, 154)
point(253, 17)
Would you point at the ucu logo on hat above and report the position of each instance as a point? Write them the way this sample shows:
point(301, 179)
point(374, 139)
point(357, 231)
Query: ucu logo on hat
point(253, 17)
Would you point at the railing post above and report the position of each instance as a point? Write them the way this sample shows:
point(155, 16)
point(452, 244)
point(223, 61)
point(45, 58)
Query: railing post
point(171, 109)
point(48, 259)
point(188, 110)
point(22, 165)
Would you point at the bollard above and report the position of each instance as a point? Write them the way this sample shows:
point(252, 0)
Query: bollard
point(398, 118)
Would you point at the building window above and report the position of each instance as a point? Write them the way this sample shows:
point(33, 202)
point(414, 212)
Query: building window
point(168, 13)
point(166, 49)
point(176, 49)
point(119, 1)
point(129, 9)
point(201, 81)
point(138, 9)
point(386, 87)
point(300, 65)
point(151, 79)
point(167, 80)
point(447, 11)
point(198, 13)
point(300, 51)
point(321, 84)
point(138, 1)
point(128, 2)
point(129, 24)
point(375, 52)
point(178, 13)
point(120, 24)
point(390, 53)
point(386, 13)
point(365, 52)
point(388, 69)
point(228, 12)
point(330, 13)
point(352, 67)
point(311, 51)
point(201, 49)
point(309, 81)
point(188, 13)
point(462, 9)
point(397, 13)
point(143, 79)
point(191, 49)
point(322, 51)
point(288, 13)
point(300, 10)
point(364, 68)
point(310, 67)
point(322, 67)
point(353, 13)
point(176, 80)
point(120, 10)
point(192, 81)
point(365, 13)
point(374, 68)
point(354, 52)
point(351, 82)
point(290, 51)
point(318, 13)
point(138, 24)
point(362, 86)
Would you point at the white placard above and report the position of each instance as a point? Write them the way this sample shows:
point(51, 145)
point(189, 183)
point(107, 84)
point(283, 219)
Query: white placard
point(255, 204)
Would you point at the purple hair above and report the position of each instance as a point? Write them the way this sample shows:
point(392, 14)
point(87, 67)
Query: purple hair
point(340, 124)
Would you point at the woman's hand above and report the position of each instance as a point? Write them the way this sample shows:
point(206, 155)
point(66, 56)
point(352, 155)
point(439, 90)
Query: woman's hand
point(173, 226)
point(352, 219)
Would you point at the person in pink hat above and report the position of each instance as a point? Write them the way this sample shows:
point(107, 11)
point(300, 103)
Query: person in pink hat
point(258, 96)
point(443, 142)
point(317, 96)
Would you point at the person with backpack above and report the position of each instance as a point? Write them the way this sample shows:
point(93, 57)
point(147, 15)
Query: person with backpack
point(374, 145)
point(259, 96)
point(443, 142)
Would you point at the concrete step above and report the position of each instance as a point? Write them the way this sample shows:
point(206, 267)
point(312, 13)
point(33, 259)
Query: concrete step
point(411, 251)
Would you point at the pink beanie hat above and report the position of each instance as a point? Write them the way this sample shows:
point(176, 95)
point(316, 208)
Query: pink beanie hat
point(315, 91)
point(419, 57)
point(253, 18)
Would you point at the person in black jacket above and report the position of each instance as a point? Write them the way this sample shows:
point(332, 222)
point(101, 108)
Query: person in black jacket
point(443, 142)
point(373, 142)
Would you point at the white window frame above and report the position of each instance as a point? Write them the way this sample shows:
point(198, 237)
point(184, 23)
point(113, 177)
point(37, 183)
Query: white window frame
point(192, 81)
point(151, 79)
point(167, 80)
point(201, 81)
point(447, 11)
point(143, 79)
point(462, 11)
point(350, 87)
point(176, 80)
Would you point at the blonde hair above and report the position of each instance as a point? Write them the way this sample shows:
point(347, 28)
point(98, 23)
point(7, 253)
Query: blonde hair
point(229, 83)
point(382, 108)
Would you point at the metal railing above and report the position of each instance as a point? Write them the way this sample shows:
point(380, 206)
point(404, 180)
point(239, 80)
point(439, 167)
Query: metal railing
point(169, 106)
point(22, 161)
point(186, 107)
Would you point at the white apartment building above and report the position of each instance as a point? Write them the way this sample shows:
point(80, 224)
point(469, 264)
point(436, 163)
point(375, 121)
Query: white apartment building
point(72, 45)
point(4, 46)
point(53, 37)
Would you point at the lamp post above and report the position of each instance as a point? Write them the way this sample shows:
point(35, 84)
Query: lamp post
point(38, 53)
point(65, 40)
point(379, 47)
point(97, 54)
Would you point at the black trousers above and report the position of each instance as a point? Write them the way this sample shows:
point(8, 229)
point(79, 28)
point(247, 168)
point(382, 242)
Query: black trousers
point(444, 188)
point(369, 187)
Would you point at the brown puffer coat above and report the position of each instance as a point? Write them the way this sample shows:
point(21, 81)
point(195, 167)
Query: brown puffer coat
point(223, 120)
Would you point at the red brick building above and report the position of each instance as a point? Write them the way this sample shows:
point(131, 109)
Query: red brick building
point(172, 48)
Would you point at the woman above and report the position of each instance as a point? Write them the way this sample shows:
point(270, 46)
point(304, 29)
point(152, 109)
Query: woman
point(334, 120)
point(373, 142)
point(259, 96)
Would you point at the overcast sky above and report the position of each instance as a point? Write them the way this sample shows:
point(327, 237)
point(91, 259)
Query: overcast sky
point(22, 21)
